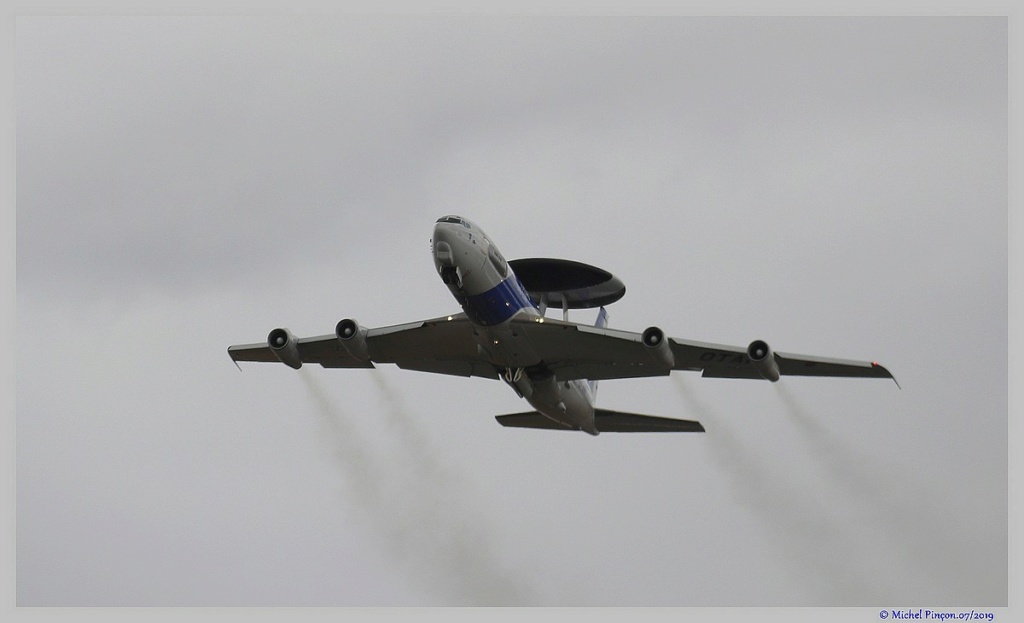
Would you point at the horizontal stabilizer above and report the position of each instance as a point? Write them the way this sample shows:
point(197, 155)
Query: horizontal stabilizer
point(530, 419)
point(607, 422)
point(618, 422)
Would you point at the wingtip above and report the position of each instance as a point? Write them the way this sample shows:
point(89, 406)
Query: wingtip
point(233, 360)
point(879, 366)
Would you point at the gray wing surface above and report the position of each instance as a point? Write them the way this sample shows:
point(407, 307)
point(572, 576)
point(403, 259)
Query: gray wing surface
point(572, 351)
point(789, 365)
point(441, 345)
point(575, 351)
point(325, 350)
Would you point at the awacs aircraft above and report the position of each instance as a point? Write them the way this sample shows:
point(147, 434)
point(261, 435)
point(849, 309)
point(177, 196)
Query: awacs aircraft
point(503, 333)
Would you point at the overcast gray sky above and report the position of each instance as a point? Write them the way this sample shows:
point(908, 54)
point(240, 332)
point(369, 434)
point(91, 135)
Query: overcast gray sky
point(837, 187)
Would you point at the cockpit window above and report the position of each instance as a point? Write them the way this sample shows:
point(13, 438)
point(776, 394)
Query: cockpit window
point(458, 220)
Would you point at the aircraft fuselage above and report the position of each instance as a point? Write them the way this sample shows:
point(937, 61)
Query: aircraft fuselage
point(490, 294)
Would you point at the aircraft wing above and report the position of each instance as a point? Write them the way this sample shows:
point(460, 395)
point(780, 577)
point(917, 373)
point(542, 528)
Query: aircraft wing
point(440, 345)
point(325, 350)
point(572, 351)
point(575, 351)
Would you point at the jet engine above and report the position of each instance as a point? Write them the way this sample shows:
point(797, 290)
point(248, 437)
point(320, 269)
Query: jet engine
point(353, 338)
point(657, 346)
point(285, 347)
point(763, 358)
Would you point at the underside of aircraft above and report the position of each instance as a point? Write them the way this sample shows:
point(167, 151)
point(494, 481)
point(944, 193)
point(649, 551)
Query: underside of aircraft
point(503, 333)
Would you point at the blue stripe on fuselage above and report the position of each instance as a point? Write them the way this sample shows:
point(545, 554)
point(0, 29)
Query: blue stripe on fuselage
point(497, 304)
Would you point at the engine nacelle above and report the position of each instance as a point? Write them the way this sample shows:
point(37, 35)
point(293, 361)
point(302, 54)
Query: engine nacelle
point(763, 358)
point(353, 338)
point(657, 347)
point(285, 347)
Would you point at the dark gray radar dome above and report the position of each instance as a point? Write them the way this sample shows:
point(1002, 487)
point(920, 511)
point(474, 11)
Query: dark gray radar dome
point(564, 281)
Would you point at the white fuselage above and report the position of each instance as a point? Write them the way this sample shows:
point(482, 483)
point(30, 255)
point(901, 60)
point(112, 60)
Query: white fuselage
point(487, 289)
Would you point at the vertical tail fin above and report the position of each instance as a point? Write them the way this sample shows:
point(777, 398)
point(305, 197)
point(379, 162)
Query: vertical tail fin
point(602, 322)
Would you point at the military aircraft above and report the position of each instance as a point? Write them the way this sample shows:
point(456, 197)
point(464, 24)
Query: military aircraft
point(503, 333)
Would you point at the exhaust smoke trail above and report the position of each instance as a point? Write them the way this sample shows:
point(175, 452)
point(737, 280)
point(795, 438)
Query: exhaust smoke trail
point(441, 501)
point(908, 537)
point(848, 471)
point(812, 538)
point(417, 504)
point(345, 445)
